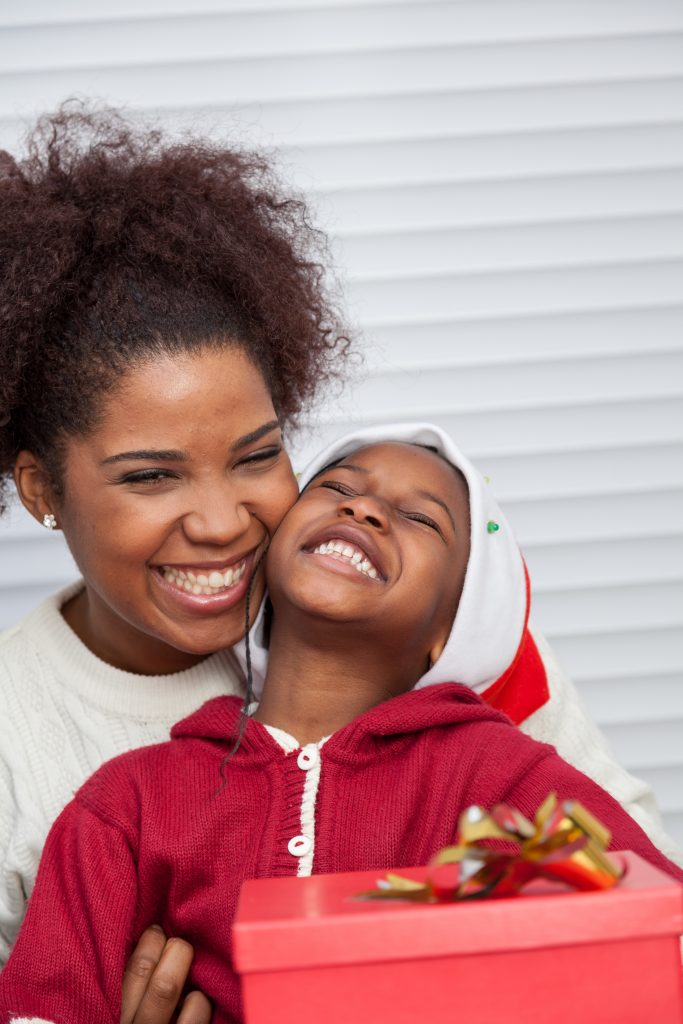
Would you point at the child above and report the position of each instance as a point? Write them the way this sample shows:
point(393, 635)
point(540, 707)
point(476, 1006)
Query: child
point(344, 764)
point(520, 676)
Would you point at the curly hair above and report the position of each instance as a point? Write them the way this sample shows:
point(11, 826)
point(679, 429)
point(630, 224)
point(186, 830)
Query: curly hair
point(118, 244)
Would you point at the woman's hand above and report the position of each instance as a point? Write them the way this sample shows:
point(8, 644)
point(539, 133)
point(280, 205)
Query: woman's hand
point(154, 979)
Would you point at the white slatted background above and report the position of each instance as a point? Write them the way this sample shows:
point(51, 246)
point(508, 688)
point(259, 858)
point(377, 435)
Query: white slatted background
point(503, 180)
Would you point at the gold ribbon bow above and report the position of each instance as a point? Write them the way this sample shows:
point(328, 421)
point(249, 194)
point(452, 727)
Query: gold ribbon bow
point(564, 843)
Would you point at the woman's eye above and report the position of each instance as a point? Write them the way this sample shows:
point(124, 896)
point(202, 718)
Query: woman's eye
point(261, 456)
point(147, 476)
point(334, 485)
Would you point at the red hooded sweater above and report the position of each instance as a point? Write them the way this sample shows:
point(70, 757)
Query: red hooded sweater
point(152, 836)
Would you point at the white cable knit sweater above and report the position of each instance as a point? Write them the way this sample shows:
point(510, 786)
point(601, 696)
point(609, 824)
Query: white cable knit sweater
point(63, 712)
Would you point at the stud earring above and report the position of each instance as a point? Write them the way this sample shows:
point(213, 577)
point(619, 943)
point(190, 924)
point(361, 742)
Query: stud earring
point(49, 521)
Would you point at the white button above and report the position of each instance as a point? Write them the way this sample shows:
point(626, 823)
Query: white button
point(307, 758)
point(299, 846)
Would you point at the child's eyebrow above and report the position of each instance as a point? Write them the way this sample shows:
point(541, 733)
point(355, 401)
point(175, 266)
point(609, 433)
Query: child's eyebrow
point(348, 465)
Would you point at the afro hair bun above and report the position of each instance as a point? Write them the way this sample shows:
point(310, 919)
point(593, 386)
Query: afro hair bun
point(118, 243)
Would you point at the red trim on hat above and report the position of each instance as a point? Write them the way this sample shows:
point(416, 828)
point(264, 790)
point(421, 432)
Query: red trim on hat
point(523, 687)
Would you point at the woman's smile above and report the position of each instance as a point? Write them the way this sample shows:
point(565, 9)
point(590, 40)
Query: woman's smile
point(207, 588)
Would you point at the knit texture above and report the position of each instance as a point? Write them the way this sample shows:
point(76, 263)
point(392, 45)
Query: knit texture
point(154, 836)
point(63, 712)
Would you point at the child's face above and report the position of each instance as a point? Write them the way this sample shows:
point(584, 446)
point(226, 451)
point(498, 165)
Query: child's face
point(381, 541)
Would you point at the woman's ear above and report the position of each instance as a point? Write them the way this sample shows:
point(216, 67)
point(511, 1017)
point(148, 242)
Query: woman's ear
point(33, 486)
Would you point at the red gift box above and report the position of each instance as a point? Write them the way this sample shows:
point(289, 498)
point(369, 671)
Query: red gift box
point(308, 950)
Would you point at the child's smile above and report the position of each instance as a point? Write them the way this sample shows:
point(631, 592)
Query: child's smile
point(343, 547)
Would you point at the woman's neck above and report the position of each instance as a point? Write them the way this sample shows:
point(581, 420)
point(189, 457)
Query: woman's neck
point(322, 677)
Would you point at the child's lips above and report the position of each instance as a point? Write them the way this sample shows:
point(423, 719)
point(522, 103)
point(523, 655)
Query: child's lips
point(350, 545)
point(349, 554)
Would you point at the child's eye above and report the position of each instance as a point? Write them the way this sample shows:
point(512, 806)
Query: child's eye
point(261, 456)
point(419, 517)
point(334, 485)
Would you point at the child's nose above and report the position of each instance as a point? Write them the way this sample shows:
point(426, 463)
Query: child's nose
point(365, 509)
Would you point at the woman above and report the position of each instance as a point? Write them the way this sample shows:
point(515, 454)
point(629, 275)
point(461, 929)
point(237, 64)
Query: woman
point(162, 318)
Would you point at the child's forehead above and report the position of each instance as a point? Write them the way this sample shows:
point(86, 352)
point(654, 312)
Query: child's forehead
point(381, 451)
point(414, 459)
point(410, 467)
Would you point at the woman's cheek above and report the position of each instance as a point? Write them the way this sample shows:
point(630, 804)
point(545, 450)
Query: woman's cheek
point(282, 500)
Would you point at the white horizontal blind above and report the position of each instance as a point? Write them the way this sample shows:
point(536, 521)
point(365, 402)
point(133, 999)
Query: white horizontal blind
point(503, 180)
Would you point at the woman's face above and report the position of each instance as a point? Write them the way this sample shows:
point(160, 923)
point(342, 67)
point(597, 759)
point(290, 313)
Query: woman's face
point(167, 506)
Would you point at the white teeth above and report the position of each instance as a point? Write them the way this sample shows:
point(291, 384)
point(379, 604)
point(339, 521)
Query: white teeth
point(348, 553)
point(214, 583)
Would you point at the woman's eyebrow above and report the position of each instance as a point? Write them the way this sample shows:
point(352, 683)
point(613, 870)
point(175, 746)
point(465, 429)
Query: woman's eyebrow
point(147, 455)
point(172, 455)
point(255, 435)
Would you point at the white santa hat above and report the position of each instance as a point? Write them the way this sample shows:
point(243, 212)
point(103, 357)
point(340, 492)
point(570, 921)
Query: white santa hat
point(491, 617)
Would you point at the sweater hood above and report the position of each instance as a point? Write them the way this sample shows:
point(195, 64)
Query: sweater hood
point(489, 624)
point(439, 705)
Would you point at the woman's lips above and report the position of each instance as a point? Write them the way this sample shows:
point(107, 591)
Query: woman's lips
point(196, 580)
point(204, 590)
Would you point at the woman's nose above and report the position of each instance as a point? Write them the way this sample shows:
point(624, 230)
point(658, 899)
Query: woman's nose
point(217, 519)
point(367, 509)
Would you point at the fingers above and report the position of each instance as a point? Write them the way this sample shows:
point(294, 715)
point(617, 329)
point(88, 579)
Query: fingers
point(196, 1009)
point(163, 980)
point(139, 970)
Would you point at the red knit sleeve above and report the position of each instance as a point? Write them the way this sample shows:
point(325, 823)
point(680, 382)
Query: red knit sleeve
point(551, 774)
point(68, 962)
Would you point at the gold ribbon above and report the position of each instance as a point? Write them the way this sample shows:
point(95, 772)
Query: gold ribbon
point(564, 843)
